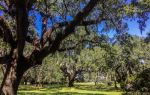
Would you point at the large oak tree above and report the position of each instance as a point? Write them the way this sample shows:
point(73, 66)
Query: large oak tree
point(59, 20)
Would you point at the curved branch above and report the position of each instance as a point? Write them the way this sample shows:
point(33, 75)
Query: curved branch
point(69, 28)
point(63, 24)
point(78, 19)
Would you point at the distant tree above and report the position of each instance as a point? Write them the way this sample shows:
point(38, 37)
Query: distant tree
point(93, 60)
point(47, 73)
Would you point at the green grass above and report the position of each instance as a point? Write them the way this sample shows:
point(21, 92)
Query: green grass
point(79, 89)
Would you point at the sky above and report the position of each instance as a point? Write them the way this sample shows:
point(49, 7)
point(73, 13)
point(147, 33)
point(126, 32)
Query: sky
point(134, 29)
point(132, 25)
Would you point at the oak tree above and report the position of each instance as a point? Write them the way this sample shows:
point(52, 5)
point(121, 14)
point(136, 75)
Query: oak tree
point(59, 20)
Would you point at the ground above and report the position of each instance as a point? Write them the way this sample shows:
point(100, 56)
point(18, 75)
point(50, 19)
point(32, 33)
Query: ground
point(79, 89)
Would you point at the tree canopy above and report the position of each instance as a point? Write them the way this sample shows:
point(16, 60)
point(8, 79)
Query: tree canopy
point(58, 20)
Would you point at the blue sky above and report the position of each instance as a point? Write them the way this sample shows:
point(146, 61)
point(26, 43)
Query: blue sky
point(132, 24)
point(134, 29)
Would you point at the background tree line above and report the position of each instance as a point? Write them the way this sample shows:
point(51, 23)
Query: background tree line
point(119, 61)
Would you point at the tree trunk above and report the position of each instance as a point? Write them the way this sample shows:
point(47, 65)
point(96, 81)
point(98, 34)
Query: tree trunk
point(96, 78)
point(115, 81)
point(107, 76)
point(90, 76)
point(16, 65)
point(12, 78)
point(71, 79)
point(70, 82)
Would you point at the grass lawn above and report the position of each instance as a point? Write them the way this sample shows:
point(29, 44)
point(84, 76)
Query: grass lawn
point(79, 89)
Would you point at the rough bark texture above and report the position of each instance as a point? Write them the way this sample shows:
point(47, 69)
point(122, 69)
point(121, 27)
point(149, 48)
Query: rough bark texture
point(12, 77)
point(11, 81)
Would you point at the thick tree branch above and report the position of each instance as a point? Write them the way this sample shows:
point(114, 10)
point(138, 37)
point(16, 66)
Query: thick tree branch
point(4, 59)
point(77, 20)
point(69, 28)
point(63, 24)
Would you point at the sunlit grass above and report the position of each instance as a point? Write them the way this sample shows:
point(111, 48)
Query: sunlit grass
point(79, 89)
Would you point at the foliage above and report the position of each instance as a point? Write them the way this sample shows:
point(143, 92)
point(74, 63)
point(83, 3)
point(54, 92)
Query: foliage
point(33, 29)
point(142, 82)
point(44, 74)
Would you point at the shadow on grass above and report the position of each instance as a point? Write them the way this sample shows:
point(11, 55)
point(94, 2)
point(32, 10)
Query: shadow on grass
point(63, 90)
point(29, 88)
point(96, 88)
point(73, 93)
point(59, 93)
point(48, 87)
point(58, 87)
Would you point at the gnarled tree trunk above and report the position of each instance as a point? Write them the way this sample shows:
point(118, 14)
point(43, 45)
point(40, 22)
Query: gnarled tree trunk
point(16, 65)
point(12, 77)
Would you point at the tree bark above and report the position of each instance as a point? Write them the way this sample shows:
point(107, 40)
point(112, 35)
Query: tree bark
point(71, 80)
point(16, 65)
point(12, 78)
point(71, 83)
